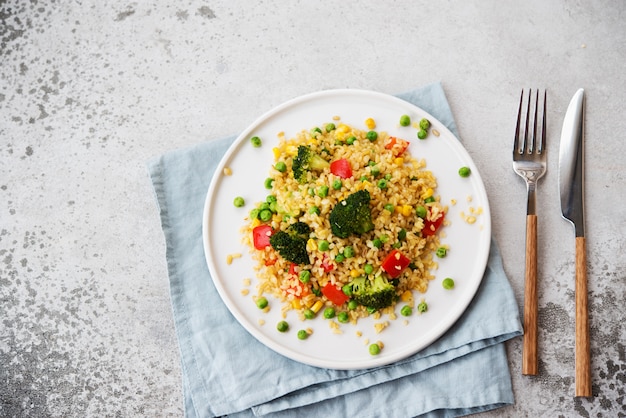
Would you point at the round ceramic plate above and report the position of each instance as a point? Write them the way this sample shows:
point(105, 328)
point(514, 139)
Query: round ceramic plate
point(468, 241)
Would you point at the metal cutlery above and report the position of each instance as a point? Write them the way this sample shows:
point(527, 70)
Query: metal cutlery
point(529, 161)
point(571, 187)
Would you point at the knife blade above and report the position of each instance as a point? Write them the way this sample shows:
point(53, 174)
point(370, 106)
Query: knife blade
point(571, 188)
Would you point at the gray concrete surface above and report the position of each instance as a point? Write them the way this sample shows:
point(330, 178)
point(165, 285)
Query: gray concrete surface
point(89, 90)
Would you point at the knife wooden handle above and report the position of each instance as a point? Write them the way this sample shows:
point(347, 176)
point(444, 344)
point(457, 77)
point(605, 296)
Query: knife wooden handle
point(583, 361)
point(529, 350)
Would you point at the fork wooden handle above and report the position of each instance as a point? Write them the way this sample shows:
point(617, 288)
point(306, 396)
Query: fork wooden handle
point(583, 361)
point(529, 351)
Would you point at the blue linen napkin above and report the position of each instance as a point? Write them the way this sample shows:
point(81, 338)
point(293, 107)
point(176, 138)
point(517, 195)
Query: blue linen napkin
point(227, 372)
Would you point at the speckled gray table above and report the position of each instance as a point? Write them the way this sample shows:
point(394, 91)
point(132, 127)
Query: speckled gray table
point(90, 90)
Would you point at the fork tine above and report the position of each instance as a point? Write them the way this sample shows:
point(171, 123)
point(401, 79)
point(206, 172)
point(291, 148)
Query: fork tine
point(527, 148)
point(542, 142)
point(516, 147)
point(533, 142)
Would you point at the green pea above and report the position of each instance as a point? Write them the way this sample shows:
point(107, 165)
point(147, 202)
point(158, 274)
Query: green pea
point(314, 210)
point(441, 252)
point(430, 199)
point(448, 283)
point(305, 276)
point(422, 134)
point(256, 141)
point(348, 252)
point(303, 335)
point(421, 211)
point(350, 140)
point(347, 289)
point(281, 166)
point(384, 238)
point(368, 269)
point(315, 132)
point(269, 183)
point(270, 198)
point(388, 176)
point(371, 310)
point(339, 257)
point(274, 207)
point(329, 313)
point(382, 184)
point(377, 242)
point(422, 307)
point(308, 314)
point(343, 317)
point(337, 184)
point(424, 124)
point(262, 302)
point(330, 127)
point(352, 305)
point(374, 349)
point(375, 171)
point(265, 215)
point(405, 120)
point(254, 213)
point(402, 234)
point(282, 326)
point(364, 178)
point(406, 310)
point(239, 202)
point(323, 245)
point(397, 245)
point(322, 191)
point(389, 207)
point(372, 136)
point(464, 171)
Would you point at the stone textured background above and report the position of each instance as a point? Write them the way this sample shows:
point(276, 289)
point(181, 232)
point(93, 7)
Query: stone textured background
point(90, 90)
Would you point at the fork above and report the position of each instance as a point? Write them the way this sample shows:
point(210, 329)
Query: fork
point(529, 161)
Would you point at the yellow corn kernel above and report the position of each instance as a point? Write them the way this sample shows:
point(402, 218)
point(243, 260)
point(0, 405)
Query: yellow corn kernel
point(398, 161)
point(407, 210)
point(406, 296)
point(227, 171)
point(398, 209)
point(296, 304)
point(317, 306)
point(291, 150)
point(428, 193)
point(276, 152)
point(354, 273)
point(311, 245)
point(370, 123)
point(344, 129)
point(256, 222)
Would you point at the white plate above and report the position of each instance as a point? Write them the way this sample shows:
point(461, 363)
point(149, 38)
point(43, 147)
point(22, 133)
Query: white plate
point(465, 263)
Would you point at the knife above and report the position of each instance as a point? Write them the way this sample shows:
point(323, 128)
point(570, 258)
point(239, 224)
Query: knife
point(571, 188)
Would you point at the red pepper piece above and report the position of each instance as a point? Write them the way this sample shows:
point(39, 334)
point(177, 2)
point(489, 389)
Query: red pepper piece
point(334, 294)
point(395, 263)
point(341, 168)
point(261, 236)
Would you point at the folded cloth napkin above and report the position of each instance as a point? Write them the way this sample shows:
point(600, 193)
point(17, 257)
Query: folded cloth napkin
point(227, 372)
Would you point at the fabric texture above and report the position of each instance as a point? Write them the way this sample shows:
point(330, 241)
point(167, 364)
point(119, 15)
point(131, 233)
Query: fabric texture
point(227, 372)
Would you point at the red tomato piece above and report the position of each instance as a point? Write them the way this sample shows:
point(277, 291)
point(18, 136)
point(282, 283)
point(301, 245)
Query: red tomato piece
point(341, 168)
point(261, 236)
point(334, 294)
point(431, 227)
point(395, 263)
point(397, 145)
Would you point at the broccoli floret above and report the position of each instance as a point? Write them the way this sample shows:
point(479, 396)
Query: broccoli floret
point(307, 160)
point(352, 215)
point(291, 243)
point(376, 294)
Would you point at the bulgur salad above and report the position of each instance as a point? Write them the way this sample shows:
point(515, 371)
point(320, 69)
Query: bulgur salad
point(350, 224)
